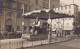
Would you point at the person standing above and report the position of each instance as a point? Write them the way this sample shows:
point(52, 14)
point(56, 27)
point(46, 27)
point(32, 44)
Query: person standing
point(36, 25)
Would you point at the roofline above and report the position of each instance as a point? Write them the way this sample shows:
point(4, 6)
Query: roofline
point(67, 5)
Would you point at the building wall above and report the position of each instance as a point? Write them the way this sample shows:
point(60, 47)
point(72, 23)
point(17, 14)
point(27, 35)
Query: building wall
point(54, 3)
point(62, 23)
point(11, 18)
point(68, 9)
point(43, 4)
point(71, 9)
point(36, 4)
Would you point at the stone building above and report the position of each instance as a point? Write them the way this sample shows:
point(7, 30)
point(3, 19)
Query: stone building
point(43, 4)
point(53, 3)
point(71, 9)
point(63, 26)
point(66, 24)
point(11, 15)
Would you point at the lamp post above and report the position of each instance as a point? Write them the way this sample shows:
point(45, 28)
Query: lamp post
point(22, 22)
point(49, 4)
point(49, 22)
point(49, 27)
point(23, 17)
point(73, 1)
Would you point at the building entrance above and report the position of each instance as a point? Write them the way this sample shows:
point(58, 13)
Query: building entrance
point(9, 28)
point(9, 25)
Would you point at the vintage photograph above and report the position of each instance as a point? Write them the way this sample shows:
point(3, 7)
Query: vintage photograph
point(39, 24)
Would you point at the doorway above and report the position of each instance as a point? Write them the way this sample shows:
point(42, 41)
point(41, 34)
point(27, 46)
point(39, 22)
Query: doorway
point(9, 24)
point(9, 28)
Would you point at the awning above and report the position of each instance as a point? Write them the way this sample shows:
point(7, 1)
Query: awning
point(45, 15)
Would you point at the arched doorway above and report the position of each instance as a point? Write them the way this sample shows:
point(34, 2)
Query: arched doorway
point(9, 24)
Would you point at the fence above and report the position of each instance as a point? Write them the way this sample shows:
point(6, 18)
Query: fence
point(25, 43)
point(10, 36)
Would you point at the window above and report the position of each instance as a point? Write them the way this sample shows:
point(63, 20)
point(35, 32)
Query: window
point(53, 6)
point(69, 7)
point(65, 7)
point(9, 5)
point(8, 28)
point(10, 14)
point(54, 25)
point(58, 8)
point(18, 27)
point(25, 27)
point(61, 8)
point(45, 5)
point(25, 7)
point(55, 19)
point(19, 15)
point(15, 0)
point(19, 5)
point(36, 2)
point(46, 0)
point(69, 12)
point(67, 24)
point(69, 18)
point(0, 3)
point(65, 18)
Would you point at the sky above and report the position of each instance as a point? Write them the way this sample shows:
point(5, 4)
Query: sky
point(64, 2)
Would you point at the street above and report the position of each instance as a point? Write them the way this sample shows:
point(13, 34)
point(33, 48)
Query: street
point(74, 44)
point(52, 46)
point(60, 43)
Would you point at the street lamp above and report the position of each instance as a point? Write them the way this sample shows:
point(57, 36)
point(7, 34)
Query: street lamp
point(23, 18)
point(22, 22)
point(73, 1)
point(49, 22)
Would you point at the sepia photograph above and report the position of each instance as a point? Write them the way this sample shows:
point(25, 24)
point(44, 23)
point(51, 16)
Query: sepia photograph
point(39, 24)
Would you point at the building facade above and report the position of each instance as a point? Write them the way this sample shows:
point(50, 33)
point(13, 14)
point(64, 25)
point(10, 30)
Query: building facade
point(53, 4)
point(43, 4)
point(11, 14)
point(71, 9)
point(63, 26)
point(63, 23)
point(66, 25)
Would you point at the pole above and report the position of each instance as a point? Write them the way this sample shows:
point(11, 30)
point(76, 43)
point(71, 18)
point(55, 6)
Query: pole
point(73, 1)
point(49, 22)
point(22, 23)
point(49, 4)
point(49, 15)
point(23, 19)
point(23, 8)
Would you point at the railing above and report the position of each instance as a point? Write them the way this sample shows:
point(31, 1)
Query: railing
point(24, 43)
